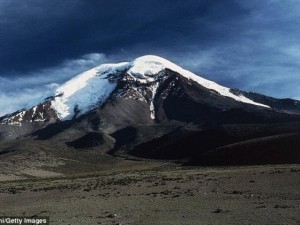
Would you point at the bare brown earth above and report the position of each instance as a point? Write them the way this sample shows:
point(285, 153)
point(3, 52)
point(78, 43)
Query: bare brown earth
point(160, 193)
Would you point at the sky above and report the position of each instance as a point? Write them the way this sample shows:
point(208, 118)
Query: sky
point(251, 45)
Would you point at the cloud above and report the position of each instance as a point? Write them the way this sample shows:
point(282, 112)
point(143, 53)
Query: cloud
point(18, 91)
point(259, 50)
point(273, 72)
point(39, 34)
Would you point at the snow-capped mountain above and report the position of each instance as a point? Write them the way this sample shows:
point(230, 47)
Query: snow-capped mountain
point(152, 108)
point(141, 79)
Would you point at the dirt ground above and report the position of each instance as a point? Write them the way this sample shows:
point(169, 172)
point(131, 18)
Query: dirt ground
point(162, 195)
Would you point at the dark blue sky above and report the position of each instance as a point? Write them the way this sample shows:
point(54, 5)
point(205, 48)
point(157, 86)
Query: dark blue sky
point(251, 45)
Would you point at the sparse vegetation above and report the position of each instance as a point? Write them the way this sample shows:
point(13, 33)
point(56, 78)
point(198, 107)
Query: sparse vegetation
point(143, 195)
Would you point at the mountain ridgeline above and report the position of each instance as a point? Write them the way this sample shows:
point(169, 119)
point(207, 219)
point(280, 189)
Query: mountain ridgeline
point(151, 108)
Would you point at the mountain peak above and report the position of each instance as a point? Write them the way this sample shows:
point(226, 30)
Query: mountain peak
point(146, 66)
point(149, 65)
point(141, 77)
point(91, 88)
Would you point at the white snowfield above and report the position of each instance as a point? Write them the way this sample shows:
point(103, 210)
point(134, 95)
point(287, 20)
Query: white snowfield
point(93, 87)
point(85, 91)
